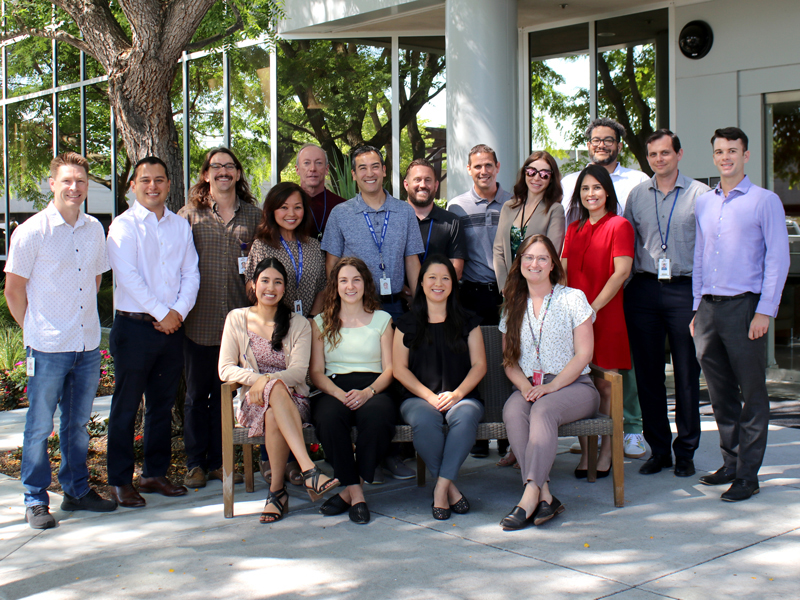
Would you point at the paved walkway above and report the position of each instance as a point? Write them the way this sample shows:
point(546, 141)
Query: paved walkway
point(673, 539)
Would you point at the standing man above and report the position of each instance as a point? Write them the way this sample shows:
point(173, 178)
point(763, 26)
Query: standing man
point(479, 212)
point(55, 263)
point(223, 217)
point(741, 260)
point(658, 302)
point(441, 230)
point(604, 142)
point(155, 264)
point(312, 167)
point(377, 228)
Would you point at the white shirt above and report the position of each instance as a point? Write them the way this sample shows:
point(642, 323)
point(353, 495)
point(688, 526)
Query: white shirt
point(61, 264)
point(568, 309)
point(154, 262)
point(624, 181)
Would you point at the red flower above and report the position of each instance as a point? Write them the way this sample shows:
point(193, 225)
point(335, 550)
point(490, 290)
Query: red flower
point(314, 447)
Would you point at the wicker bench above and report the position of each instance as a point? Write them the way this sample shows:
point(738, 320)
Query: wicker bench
point(494, 389)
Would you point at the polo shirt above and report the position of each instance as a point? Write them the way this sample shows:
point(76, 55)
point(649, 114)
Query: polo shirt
point(479, 220)
point(347, 234)
point(442, 234)
point(623, 178)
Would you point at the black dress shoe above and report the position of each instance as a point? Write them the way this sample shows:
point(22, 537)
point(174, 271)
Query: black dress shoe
point(545, 511)
point(334, 506)
point(684, 467)
point(655, 463)
point(516, 519)
point(740, 490)
point(719, 477)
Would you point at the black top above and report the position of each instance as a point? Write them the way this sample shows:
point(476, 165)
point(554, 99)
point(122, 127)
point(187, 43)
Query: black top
point(446, 238)
point(321, 206)
point(435, 365)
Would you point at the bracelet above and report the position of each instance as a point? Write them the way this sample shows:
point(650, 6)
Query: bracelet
point(373, 390)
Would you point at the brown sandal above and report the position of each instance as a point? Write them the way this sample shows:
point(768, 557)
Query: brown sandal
point(508, 460)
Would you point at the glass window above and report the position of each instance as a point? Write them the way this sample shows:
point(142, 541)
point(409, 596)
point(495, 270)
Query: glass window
point(30, 66)
point(30, 147)
point(206, 107)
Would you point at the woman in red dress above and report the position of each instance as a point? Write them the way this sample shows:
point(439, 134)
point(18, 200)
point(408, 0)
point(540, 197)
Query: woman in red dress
point(597, 256)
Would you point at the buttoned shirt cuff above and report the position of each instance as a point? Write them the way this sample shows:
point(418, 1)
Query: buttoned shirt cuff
point(182, 308)
point(160, 313)
point(767, 308)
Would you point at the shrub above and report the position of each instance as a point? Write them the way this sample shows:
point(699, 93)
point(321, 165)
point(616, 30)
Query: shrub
point(13, 387)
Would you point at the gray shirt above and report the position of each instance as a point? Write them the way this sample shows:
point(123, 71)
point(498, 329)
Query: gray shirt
point(479, 220)
point(647, 208)
point(347, 234)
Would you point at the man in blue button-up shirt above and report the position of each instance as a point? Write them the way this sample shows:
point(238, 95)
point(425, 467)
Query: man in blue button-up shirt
point(741, 261)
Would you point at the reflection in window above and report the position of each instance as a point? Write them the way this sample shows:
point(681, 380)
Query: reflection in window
point(30, 66)
point(206, 108)
point(30, 147)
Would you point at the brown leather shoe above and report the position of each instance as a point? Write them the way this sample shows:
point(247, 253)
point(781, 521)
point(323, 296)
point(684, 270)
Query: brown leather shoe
point(126, 495)
point(217, 474)
point(160, 485)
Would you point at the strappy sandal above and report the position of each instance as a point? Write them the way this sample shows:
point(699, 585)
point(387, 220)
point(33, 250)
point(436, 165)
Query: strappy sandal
point(293, 474)
point(275, 499)
point(317, 483)
point(508, 460)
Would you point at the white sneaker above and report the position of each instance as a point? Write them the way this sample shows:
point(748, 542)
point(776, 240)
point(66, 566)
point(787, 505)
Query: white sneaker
point(634, 445)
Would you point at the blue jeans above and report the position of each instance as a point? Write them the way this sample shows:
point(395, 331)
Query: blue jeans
point(68, 380)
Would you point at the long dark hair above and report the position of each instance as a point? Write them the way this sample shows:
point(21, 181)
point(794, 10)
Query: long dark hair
point(268, 230)
point(516, 295)
point(602, 176)
point(552, 193)
point(332, 303)
point(283, 315)
point(200, 194)
point(456, 315)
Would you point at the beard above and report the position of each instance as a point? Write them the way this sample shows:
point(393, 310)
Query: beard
point(610, 160)
point(421, 203)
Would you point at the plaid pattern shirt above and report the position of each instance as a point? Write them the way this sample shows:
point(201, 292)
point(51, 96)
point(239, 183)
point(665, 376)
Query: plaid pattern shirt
point(219, 245)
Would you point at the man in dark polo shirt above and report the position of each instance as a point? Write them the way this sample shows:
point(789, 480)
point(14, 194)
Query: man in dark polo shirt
point(312, 167)
point(441, 230)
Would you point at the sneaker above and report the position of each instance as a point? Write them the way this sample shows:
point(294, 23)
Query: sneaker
point(39, 517)
point(92, 502)
point(397, 468)
point(634, 445)
point(217, 474)
point(195, 478)
point(377, 478)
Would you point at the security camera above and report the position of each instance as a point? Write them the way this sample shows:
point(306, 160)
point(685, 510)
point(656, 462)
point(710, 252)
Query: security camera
point(696, 39)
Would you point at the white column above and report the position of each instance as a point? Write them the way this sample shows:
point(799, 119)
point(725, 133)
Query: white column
point(481, 49)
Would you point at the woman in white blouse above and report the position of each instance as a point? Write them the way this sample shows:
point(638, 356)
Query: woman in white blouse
point(547, 345)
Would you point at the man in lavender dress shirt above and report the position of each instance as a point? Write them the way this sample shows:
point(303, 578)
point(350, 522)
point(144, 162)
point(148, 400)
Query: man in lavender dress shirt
point(741, 261)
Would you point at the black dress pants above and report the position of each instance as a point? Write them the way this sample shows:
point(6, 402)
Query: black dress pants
point(202, 423)
point(735, 369)
point(146, 362)
point(653, 311)
point(375, 422)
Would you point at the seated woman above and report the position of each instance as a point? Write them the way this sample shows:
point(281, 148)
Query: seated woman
point(267, 348)
point(440, 359)
point(547, 346)
point(351, 364)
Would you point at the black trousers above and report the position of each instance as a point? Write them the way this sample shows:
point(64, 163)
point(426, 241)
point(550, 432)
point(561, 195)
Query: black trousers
point(146, 362)
point(202, 423)
point(482, 299)
point(375, 422)
point(735, 369)
point(653, 311)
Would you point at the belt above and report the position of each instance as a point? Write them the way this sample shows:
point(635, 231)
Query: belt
point(137, 316)
point(492, 287)
point(674, 279)
point(389, 298)
point(712, 298)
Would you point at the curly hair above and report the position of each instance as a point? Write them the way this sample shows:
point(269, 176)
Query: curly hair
point(552, 193)
point(283, 316)
point(200, 193)
point(516, 296)
point(268, 230)
point(332, 302)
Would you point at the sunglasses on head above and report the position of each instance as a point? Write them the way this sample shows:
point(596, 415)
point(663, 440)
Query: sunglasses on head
point(543, 173)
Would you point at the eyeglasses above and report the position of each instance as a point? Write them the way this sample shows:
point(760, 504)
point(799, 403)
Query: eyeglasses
point(543, 173)
point(226, 166)
point(540, 260)
point(609, 141)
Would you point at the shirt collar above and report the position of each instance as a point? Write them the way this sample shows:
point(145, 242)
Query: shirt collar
point(478, 199)
point(236, 205)
point(360, 206)
point(742, 187)
point(681, 182)
point(141, 213)
point(434, 215)
point(55, 219)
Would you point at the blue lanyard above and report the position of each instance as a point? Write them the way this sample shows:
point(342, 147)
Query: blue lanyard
point(324, 208)
point(298, 271)
point(665, 239)
point(428, 243)
point(375, 237)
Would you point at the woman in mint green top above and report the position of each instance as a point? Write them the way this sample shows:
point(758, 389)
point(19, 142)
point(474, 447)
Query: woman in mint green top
point(351, 364)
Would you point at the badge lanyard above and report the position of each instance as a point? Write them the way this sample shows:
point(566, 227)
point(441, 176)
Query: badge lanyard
point(674, 202)
point(375, 237)
point(324, 209)
point(428, 243)
point(523, 222)
point(541, 325)
point(298, 270)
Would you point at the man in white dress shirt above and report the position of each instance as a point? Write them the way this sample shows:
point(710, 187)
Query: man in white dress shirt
point(55, 262)
point(153, 256)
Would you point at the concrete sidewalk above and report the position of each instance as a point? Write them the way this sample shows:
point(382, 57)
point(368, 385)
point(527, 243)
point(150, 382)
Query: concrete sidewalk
point(674, 538)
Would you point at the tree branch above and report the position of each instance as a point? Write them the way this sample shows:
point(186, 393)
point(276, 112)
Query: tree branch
point(59, 36)
point(237, 26)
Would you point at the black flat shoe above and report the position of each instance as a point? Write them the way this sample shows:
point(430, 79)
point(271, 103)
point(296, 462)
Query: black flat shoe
point(333, 506)
point(440, 514)
point(684, 467)
point(461, 507)
point(545, 511)
point(516, 519)
point(581, 473)
point(359, 513)
point(741, 489)
point(601, 474)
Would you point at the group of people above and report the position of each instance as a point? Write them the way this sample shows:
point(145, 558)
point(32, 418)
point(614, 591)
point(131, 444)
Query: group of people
point(379, 302)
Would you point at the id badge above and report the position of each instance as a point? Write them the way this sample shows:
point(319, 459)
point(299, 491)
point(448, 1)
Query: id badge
point(298, 307)
point(536, 378)
point(664, 270)
point(30, 366)
point(386, 286)
point(242, 260)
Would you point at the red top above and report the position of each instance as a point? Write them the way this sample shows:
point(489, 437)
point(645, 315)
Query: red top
point(590, 256)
